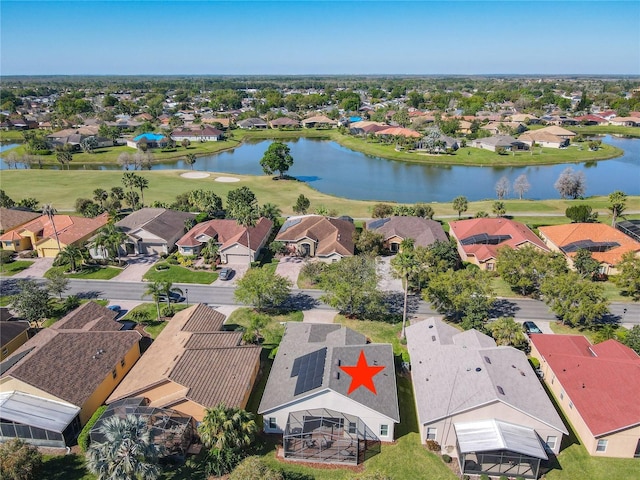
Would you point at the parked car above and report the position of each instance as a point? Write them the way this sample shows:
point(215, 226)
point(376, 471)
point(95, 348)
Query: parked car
point(173, 297)
point(530, 327)
point(225, 273)
point(115, 308)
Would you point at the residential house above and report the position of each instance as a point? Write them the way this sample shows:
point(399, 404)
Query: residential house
point(366, 127)
point(151, 231)
point(397, 132)
point(597, 388)
point(151, 140)
point(328, 239)
point(480, 403)
point(211, 120)
point(319, 121)
point(591, 120)
point(42, 235)
point(75, 367)
point(525, 118)
point(251, 123)
point(11, 218)
point(231, 238)
point(325, 412)
point(197, 134)
point(13, 334)
point(193, 365)
point(630, 228)
point(497, 128)
point(606, 244)
point(480, 238)
point(284, 122)
point(558, 131)
point(395, 230)
point(625, 121)
point(543, 139)
point(500, 141)
point(445, 143)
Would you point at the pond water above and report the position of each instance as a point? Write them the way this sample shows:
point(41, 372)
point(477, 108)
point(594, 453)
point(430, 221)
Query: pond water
point(333, 169)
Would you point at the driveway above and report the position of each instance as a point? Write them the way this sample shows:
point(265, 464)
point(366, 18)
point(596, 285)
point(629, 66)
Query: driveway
point(37, 269)
point(289, 267)
point(386, 282)
point(239, 269)
point(136, 269)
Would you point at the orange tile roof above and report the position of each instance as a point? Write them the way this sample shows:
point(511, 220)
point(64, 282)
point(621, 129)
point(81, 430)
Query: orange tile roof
point(227, 232)
point(562, 235)
point(597, 378)
point(70, 229)
point(400, 131)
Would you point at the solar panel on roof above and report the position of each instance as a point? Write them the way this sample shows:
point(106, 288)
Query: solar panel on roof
point(484, 239)
point(290, 223)
point(378, 223)
point(589, 245)
point(630, 228)
point(309, 369)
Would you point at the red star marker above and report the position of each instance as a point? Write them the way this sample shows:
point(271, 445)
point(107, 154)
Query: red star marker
point(362, 374)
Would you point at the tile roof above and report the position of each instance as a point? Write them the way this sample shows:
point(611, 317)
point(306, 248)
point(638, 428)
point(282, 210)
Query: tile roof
point(457, 371)
point(563, 235)
point(70, 229)
point(194, 353)
point(594, 376)
point(422, 230)
point(11, 218)
point(227, 233)
point(89, 316)
point(399, 131)
point(518, 232)
point(319, 119)
point(343, 347)
point(66, 364)
point(332, 235)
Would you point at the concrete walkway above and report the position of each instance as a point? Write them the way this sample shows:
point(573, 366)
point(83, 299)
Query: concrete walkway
point(316, 315)
point(386, 282)
point(37, 269)
point(289, 267)
point(137, 267)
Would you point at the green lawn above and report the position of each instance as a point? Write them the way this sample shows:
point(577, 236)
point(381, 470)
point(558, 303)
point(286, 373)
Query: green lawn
point(178, 274)
point(64, 467)
point(11, 136)
point(272, 331)
point(9, 269)
point(606, 130)
point(92, 272)
point(151, 325)
point(378, 332)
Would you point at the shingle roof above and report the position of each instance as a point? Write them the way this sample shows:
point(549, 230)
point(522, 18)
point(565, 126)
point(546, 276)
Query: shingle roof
point(90, 316)
point(555, 130)
point(11, 218)
point(203, 319)
point(563, 235)
point(10, 330)
point(319, 119)
point(518, 232)
point(332, 235)
point(284, 122)
point(594, 376)
point(453, 373)
point(422, 230)
point(343, 349)
point(227, 232)
point(67, 365)
point(160, 222)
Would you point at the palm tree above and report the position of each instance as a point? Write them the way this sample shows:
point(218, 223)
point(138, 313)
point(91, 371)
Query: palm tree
point(191, 159)
point(50, 212)
point(155, 290)
point(247, 216)
point(168, 289)
point(270, 211)
point(141, 183)
point(405, 266)
point(100, 195)
point(71, 254)
point(109, 239)
point(211, 250)
point(506, 331)
point(225, 428)
point(127, 453)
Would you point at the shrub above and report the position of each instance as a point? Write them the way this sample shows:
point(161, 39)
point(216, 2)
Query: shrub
point(6, 256)
point(19, 460)
point(534, 362)
point(504, 477)
point(446, 458)
point(162, 266)
point(484, 476)
point(433, 446)
point(83, 438)
point(313, 271)
point(168, 311)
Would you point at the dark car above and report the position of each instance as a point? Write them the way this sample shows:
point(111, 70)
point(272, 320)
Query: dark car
point(173, 297)
point(115, 308)
point(530, 327)
point(225, 273)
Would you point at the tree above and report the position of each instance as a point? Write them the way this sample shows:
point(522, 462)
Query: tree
point(382, 210)
point(632, 339)
point(238, 199)
point(524, 269)
point(64, 158)
point(502, 187)
point(628, 278)
point(128, 451)
point(576, 302)
point(581, 214)
point(302, 204)
point(19, 460)
point(277, 158)
point(125, 160)
point(405, 265)
point(141, 183)
point(521, 185)
point(190, 159)
point(571, 184)
point(499, 209)
point(206, 201)
point(50, 212)
point(71, 254)
point(5, 200)
point(108, 241)
point(262, 288)
point(617, 205)
point(369, 242)
point(226, 432)
point(57, 283)
point(132, 198)
point(270, 211)
point(100, 195)
point(248, 216)
point(460, 204)
point(155, 290)
point(32, 303)
point(350, 286)
point(423, 210)
point(254, 468)
point(506, 331)
point(185, 143)
point(89, 144)
point(585, 264)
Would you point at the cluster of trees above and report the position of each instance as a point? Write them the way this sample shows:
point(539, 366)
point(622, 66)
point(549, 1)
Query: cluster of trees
point(571, 184)
point(384, 210)
point(521, 186)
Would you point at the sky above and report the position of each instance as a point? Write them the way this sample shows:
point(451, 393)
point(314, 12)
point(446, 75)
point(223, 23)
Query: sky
point(319, 37)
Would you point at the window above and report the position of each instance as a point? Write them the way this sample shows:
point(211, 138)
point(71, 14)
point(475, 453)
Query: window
point(5, 351)
point(431, 433)
point(353, 428)
point(272, 423)
point(114, 373)
point(602, 446)
point(561, 394)
point(384, 430)
point(551, 442)
point(490, 267)
point(122, 363)
point(571, 405)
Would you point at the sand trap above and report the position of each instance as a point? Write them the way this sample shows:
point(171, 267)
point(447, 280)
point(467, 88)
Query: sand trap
point(227, 179)
point(195, 175)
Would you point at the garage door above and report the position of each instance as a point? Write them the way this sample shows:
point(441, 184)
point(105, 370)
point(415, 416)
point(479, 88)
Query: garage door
point(154, 248)
point(237, 258)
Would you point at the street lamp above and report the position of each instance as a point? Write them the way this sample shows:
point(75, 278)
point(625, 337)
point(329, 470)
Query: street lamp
point(186, 294)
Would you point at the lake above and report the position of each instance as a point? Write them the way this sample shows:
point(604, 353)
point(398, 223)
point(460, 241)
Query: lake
point(336, 170)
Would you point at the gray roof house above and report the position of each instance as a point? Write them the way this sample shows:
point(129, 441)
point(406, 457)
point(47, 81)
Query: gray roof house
point(250, 123)
point(483, 404)
point(423, 231)
point(151, 231)
point(326, 411)
point(505, 141)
